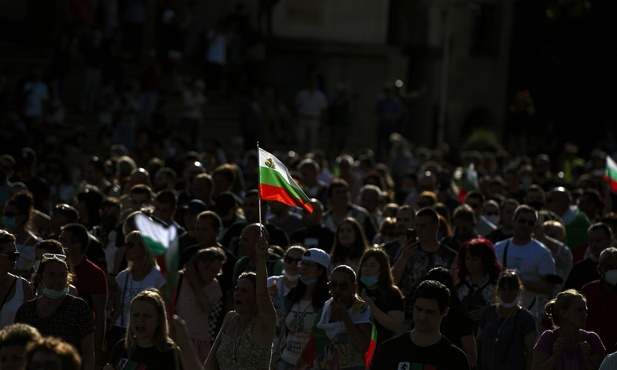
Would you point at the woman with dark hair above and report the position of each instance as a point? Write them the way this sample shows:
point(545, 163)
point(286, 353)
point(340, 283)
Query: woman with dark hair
point(147, 343)
point(341, 335)
point(378, 290)
point(16, 220)
point(457, 326)
point(350, 243)
point(475, 276)
point(507, 330)
point(567, 345)
point(300, 308)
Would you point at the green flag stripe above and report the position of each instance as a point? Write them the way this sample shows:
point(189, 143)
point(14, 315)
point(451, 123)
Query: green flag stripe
point(154, 247)
point(274, 178)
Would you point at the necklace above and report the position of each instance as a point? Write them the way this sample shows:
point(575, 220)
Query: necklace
point(237, 339)
point(298, 321)
point(503, 323)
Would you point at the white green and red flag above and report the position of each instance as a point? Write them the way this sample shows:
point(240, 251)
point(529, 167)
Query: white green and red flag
point(610, 174)
point(161, 241)
point(275, 183)
point(470, 182)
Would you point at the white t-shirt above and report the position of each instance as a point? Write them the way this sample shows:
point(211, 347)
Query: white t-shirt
point(129, 288)
point(530, 261)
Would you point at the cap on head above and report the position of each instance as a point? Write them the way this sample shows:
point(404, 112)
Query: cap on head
point(195, 206)
point(318, 256)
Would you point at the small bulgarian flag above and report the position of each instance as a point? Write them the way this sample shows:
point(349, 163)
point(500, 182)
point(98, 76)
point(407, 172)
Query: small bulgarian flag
point(470, 182)
point(275, 183)
point(161, 240)
point(610, 174)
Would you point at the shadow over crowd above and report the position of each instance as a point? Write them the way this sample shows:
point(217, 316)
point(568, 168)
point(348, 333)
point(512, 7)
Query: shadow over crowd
point(411, 258)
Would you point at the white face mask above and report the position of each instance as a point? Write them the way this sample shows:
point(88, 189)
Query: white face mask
point(289, 276)
point(611, 277)
point(54, 294)
point(509, 304)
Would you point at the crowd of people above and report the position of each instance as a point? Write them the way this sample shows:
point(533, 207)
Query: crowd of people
point(518, 271)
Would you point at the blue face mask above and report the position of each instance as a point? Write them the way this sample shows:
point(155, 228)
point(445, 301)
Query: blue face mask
point(10, 223)
point(54, 294)
point(307, 282)
point(369, 280)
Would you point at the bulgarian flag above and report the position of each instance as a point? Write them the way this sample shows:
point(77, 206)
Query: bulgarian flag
point(275, 183)
point(610, 173)
point(470, 182)
point(161, 241)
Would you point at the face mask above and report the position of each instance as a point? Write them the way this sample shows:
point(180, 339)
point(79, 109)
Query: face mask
point(509, 304)
point(494, 219)
point(307, 282)
point(35, 265)
point(526, 180)
point(611, 277)
point(289, 276)
point(10, 223)
point(55, 294)
point(369, 280)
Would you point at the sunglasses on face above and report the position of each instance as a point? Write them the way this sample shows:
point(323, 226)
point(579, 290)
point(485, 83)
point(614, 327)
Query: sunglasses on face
point(12, 256)
point(289, 259)
point(341, 285)
point(524, 221)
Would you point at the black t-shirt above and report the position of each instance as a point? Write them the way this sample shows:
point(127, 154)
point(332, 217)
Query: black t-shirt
point(582, 273)
point(401, 353)
point(145, 358)
point(385, 301)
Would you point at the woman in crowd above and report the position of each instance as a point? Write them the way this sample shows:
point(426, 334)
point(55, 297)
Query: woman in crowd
point(349, 244)
point(279, 285)
point(457, 326)
point(147, 344)
point(55, 312)
point(568, 346)
point(341, 335)
point(507, 330)
point(300, 308)
point(377, 288)
point(16, 220)
point(141, 273)
point(14, 289)
point(475, 276)
point(48, 246)
point(197, 293)
point(53, 353)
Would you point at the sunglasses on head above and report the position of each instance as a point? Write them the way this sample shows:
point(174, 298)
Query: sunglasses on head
point(289, 259)
point(333, 284)
point(54, 256)
point(12, 256)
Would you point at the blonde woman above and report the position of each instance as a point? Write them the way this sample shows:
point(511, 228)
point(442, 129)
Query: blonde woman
point(142, 273)
point(147, 343)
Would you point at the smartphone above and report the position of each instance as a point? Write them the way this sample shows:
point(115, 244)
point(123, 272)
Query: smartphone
point(411, 234)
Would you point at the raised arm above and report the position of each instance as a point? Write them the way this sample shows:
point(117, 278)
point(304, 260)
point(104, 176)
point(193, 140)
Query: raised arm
point(266, 311)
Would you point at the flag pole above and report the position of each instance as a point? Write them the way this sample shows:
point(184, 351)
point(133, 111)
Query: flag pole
point(259, 194)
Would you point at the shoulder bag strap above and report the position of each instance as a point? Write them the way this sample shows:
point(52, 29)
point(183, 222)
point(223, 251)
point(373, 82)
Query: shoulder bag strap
point(6, 295)
point(505, 255)
point(126, 279)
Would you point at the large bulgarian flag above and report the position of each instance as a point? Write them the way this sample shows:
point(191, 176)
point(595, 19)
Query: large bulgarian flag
point(161, 241)
point(610, 173)
point(275, 183)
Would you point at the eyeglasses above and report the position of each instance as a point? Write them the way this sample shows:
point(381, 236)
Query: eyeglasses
point(12, 256)
point(43, 365)
point(524, 221)
point(341, 285)
point(54, 256)
point(289, 259)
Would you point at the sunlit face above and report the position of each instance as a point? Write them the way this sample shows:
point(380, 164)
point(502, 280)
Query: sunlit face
point(341, 285)
point(55, 276)
point(370, 267)
point(143, 320)
point(426, 315)
point(291, 260)
point(576, 314)
point(346, 235)
point(13, 357)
